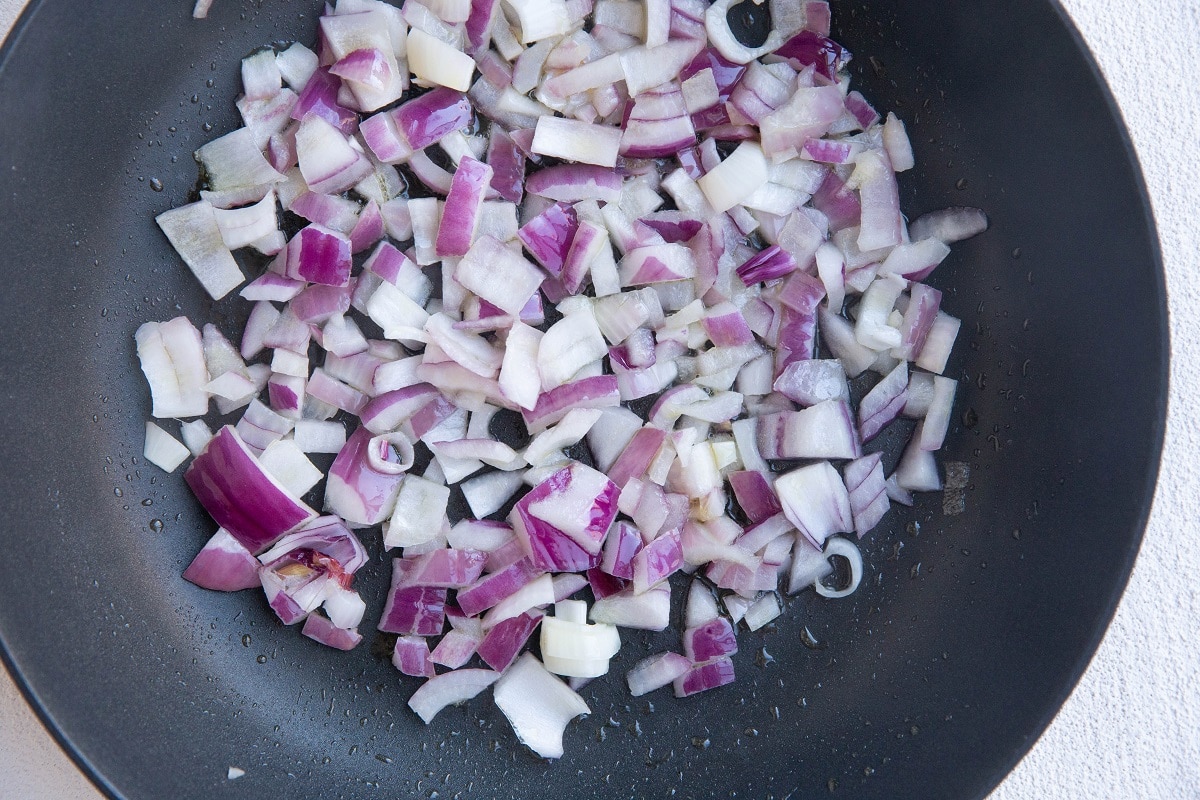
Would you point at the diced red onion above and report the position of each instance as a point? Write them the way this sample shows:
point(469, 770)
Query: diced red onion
point(702, 677)
point(320, 629)
point(505, 640)
point(223, 564)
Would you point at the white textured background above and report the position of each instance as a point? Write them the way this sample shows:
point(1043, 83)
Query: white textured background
point(1132, 727)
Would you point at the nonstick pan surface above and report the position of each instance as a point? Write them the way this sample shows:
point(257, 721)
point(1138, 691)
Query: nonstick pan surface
point(931, 681)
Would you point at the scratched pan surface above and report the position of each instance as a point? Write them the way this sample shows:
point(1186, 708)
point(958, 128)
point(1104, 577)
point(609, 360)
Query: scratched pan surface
point(930, 682)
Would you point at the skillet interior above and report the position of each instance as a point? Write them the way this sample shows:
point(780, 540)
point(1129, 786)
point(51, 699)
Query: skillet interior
point(931, 681)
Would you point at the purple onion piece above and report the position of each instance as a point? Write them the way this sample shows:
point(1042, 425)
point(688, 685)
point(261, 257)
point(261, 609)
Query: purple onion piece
point(318, 628)
point(602, 584)
point(411, 656)
point(635, 459)
point(620, 547)
point(500, 583)
point(320, 97)
point(754, 495)
point(504, 642)
point(702, 677)
point(428, 118)
point(883, 403)
point(508, 166)
point(808, 49)
point(224, 565)
point(417, 610)
point(657, 561)
point(455, 649)
point(464, 203)
point(570, 183)
point(711, 640)
point(328, 536)
point(355, 490)
point(548, 237)
point(318, 255)
point(600, 391)
point(445, 568)
point(241, 496)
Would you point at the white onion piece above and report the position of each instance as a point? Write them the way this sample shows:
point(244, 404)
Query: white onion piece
point(939, 343)
point(917, 470)
point(650, 611)
point(701, 606)
point(417, 517)
point(172, 359)
point(195, 234)
point(571, 647)
point(540, 19)
point(487, 494)
point(163, 450)
point(577, 141)
point(838, 546)
point(766, 608)
point(547, 446)
point(735, 178)
point(449, 689)
point(234, 162)
point(716, 22)
point(937, 417)
point(537, 705)
point(646, 67)
point(296, 64)
point(196, 435)
point(895, 141)
point(871, 329)
point(318, 436)
point(435, 62)
point(539, 592)
point(568, 346)
point(241, 227)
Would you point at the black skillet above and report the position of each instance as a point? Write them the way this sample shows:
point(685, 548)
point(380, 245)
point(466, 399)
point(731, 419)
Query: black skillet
point(931, 681)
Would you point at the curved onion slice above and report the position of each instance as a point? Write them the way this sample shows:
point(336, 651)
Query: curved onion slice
point(449, 689)
point(537, 705)
point(837, 546)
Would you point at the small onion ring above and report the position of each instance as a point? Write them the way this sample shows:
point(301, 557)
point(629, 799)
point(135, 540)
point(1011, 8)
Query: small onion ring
point(837, 546)
point(397, 441)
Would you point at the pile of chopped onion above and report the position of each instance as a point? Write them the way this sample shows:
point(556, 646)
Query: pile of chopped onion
point(613, 220)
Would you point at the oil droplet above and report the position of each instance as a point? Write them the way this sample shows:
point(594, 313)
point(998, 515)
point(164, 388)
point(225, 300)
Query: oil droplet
point(147, 502)
point(207, 127)
point(261, 659)
point(156, 525)
point(118, 491)
point(156, 184)
point(961, 184)
point(246, 640)
point(701, 742)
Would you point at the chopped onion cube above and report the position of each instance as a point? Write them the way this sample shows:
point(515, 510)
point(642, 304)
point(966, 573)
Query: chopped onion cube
point(437, 63)
point(163, 450)
point(577, 141)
